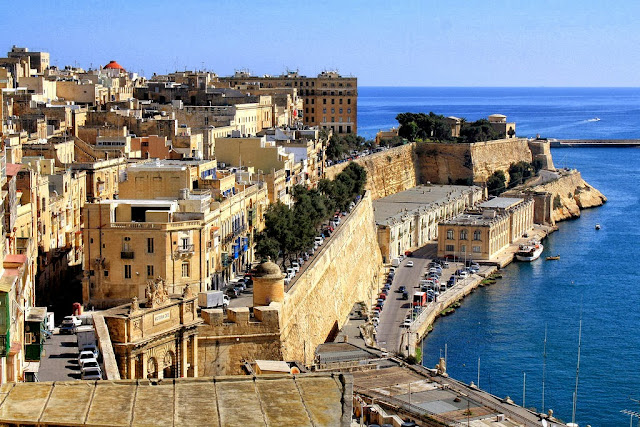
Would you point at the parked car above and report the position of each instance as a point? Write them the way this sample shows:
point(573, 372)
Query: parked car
point(67, 328)
point(89, 364)
point(233, 293)
point(85, 355)
point(318, 240)
point(402, 289)
point(92, 348)
point(406, 323)
point(405, 295)
point(462, 274)
point(382, 296)
point(296, 266)
point(91, 374)
point(409, 263)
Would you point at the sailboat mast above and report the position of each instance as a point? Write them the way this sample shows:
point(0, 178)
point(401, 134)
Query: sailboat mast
point(544, 363)
point(575, 393)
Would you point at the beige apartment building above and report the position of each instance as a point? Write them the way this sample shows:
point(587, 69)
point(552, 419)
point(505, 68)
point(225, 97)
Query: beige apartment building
point(169, 222)
point(330, 100)
point(483, 234)
point(271, 162)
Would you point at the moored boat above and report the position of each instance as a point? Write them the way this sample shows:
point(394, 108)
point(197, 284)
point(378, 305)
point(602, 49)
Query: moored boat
point(551, 258)
point(529, 252)
point(597, 226)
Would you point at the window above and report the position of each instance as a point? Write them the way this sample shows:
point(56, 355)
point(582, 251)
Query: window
point(324, 101)
point(476, 235)
point(313, 101)
point(149, 270)
point(449, 248)
point(463, 234)
point(106, 273)
point(324, 110)
point(185, 243)
point(333, 101)
point(185, 269)
point(449, 234)
point(127, 271)
point(463, 248)
point(150, 245)
point(333, 119)
point(340, 111)
point(313, 110)
point(348, 110)
point(349, 101)
point(340, 100)
point(333, 111)
point(477, 249)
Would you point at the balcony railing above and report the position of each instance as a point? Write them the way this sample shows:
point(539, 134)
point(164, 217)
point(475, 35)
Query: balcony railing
point(126, 255)
point(185, 249)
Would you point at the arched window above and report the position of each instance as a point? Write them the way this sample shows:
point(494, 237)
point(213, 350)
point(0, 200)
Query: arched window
point(463, 234)
point(476, 235)
point(449, 234)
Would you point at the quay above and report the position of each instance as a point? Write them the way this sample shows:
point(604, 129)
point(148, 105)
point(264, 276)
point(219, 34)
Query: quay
point(581, 143)
point(406, 341)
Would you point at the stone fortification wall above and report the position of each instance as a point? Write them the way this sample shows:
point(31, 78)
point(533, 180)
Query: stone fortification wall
point(487, 157)
point(224, 342)
point(388, 172)
point(574, 193)
point(347, 270)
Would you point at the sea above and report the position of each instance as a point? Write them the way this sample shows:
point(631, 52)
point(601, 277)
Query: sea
point(523, 336)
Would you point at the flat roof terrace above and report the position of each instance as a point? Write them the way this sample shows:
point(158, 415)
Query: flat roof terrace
point(278, 400)
point(419, 197)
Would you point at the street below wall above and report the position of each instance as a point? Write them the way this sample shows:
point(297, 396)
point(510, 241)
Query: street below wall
point(391, 336)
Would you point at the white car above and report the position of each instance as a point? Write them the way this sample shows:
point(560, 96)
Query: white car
point(296, 266)
point(85, 355)
point(409, 263)
point(89, 363)
point(406, 323)
point(91, 374)
point(72, 319)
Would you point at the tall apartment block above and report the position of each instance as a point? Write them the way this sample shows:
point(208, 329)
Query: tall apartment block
point(330, 100)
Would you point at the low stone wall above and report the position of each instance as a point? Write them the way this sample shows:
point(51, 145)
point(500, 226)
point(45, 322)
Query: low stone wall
point(111, 371)
point(348, 270)
point(224, 342)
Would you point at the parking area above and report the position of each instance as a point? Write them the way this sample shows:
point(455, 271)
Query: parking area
point(60, 359)
point(408, 276)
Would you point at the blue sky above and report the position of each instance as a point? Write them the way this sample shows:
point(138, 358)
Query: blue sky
point(383, 43)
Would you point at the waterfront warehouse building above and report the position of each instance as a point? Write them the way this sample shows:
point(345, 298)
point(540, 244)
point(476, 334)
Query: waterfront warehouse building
point(409, 219)
point(483, 233)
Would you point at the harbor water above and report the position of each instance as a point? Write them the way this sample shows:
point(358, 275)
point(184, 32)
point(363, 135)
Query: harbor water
point(503, 326)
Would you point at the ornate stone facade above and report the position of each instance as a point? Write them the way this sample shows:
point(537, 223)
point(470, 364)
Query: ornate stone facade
point(156, 338)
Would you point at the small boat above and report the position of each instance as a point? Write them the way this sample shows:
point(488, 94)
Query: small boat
point(595, 119)
point(597, 226)
point(552, 258)
point(529, 252)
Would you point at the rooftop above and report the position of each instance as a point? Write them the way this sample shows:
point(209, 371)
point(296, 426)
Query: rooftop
point(500, 203)
point(472, 219)
point(310, 399)
point(393, 207)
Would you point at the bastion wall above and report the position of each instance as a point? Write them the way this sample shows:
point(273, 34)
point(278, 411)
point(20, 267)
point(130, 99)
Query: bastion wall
point(347, 270)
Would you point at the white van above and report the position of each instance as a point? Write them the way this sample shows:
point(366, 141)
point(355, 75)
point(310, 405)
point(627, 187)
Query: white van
point(395, 262)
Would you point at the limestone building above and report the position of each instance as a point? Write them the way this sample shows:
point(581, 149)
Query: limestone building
point(484, 233)
point(409, 219)
point(330, 100)
point(156, 337)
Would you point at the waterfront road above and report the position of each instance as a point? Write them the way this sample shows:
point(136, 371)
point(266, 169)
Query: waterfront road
point(395, 308)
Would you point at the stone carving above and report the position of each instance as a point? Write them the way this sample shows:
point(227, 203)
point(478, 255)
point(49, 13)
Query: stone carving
point(156, 293)
point(135, 306)
point(187, 293)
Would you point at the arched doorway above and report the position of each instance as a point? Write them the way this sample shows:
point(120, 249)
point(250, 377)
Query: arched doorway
point(169, 368)
point(152, 368)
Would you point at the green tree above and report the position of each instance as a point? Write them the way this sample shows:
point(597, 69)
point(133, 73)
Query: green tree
point(496, 183)
point(266, 247)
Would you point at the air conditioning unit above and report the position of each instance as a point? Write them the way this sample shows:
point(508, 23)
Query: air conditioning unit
point(29, 338)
